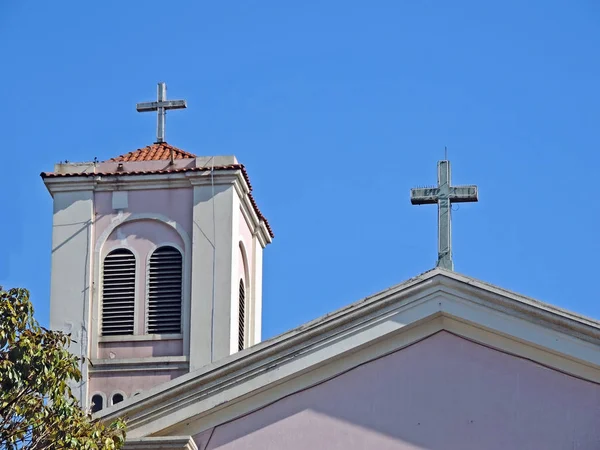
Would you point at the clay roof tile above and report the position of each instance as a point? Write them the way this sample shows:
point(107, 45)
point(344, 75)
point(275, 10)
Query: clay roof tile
point(160, 151)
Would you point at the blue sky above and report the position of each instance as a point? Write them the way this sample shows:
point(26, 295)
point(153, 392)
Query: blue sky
point(337, 108)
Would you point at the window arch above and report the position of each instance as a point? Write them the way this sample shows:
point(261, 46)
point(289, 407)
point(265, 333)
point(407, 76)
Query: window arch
point(165, 283)
point(118, 293)
point(242, 316)
point(117, 397)
point(97, 403)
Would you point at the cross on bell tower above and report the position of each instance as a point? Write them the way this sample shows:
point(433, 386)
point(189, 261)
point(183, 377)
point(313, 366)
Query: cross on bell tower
point(161, 106)
point(444, 195)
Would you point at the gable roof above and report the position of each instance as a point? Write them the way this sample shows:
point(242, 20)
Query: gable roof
point(392, 319)
point(160, 151)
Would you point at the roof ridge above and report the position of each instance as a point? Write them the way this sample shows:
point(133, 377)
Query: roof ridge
point(154, 152)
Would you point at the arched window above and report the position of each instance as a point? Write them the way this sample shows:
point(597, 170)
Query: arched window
point(165, 278)
point(242, 317)
point(118, 293)
point(97, 403)
point(117, 398)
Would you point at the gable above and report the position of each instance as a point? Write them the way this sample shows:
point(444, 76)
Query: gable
point(441, 392)
point(358, 334)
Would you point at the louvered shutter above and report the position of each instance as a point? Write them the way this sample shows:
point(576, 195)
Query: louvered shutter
point(118, 293)
point(165, 277)
point(242, 317)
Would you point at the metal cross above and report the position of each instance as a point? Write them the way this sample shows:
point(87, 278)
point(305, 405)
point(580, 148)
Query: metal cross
point(161, 105)
point(444, 195)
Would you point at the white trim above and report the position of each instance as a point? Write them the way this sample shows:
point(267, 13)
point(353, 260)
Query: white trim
point(141, 216)
point(70, 184)
point(113, 393)
point(161, 443)
point(141, 338)
point(150, 363)
point(187, 254)
point(385, 322)
point(104, 400)
point(248, 306)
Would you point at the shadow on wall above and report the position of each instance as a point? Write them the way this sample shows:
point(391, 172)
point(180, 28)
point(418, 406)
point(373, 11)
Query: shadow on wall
point(442, 393)
point(84, 226)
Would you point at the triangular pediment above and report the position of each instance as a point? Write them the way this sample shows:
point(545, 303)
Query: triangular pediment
point(384, 323)
point(442, 392)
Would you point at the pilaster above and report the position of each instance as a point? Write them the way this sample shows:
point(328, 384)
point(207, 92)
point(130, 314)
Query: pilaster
point(71, 287)
point(212, 256)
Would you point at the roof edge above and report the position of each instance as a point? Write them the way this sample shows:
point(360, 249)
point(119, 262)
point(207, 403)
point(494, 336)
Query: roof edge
point(279, 350)
point(295, 341)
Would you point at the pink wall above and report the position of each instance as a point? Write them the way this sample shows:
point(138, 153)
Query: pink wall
point(176, 204)
point(130, 382)
point(442, 393)
point(140, 349)
point(142, 236)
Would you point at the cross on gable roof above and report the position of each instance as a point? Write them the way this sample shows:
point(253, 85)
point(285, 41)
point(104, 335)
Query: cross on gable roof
point(160, 151)
point(438, 300)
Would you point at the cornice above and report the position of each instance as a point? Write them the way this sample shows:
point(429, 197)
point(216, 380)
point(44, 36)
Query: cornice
point(103, 182)
point(140, 364)
point(161, 443)
point(264, 356)
point(547, 315)
point(426, 297)
point(217, 177)
point(258, 227)
point(141, 338)
point(70, 184)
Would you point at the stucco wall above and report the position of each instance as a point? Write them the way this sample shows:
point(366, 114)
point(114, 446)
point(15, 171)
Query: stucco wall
point(444, 392)
point(70, 292)
point(129, 382)
point(176, 204)
point(140, 349)
point(142, 237)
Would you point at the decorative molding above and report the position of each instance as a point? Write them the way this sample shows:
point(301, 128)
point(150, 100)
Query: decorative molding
point(104, 399)
point(187, 264)
point(140, 364)
point(219, 177)
point(408, 312)
point(161, 443)
point(113, 393)
point(249, 297)
point(236, 178)
point(146, 182)
point(140, 338)
point(257, 227)
point(399, 316)
point(141, 216)
point(70, 184)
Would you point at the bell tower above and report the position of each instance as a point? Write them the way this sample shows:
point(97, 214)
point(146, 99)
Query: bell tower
point(156, 266)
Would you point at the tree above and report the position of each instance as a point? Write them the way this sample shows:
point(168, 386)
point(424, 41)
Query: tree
point(37, 408)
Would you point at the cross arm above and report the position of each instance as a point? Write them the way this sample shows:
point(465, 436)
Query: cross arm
point(463, 194)
point(424, 196)
point(167, 104)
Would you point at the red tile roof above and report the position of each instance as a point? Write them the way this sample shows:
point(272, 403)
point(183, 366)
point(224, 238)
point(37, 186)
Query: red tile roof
point(156, 152)
point(159, 152)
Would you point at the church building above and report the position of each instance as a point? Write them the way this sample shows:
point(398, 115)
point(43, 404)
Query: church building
point(157, 274)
